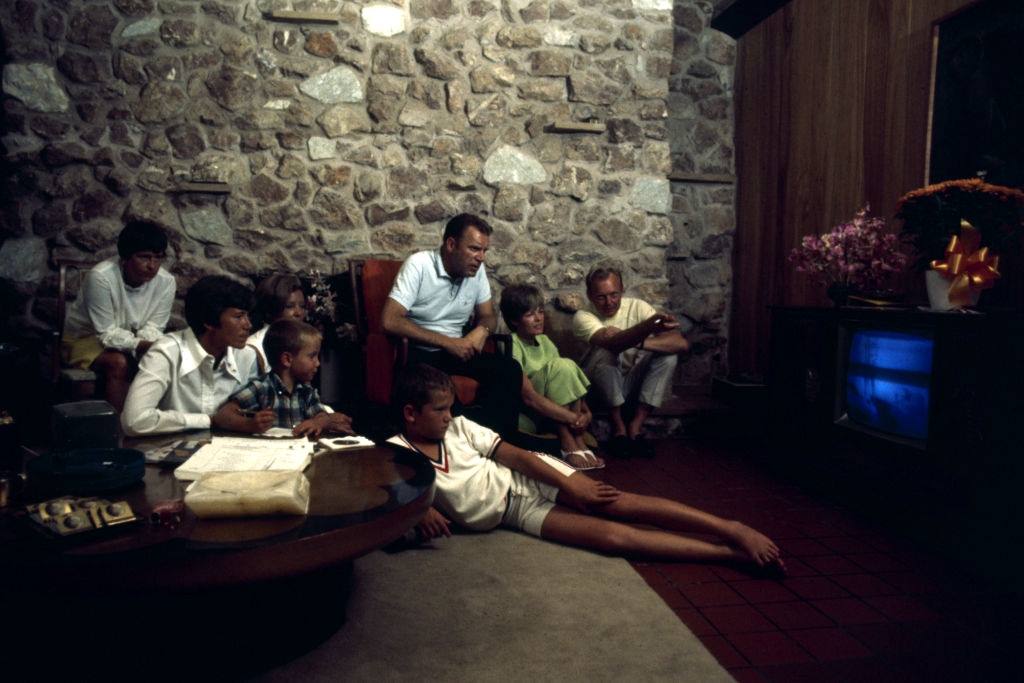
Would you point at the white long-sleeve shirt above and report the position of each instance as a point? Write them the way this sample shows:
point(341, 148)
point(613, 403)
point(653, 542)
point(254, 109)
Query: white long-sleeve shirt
point(119, 315)
point(179, 386)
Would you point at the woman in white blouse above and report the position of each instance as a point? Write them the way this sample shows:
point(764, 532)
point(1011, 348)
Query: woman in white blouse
point(123, 308)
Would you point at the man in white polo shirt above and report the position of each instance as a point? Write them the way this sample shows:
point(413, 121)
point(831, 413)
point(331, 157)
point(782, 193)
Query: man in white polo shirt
point(434, 296)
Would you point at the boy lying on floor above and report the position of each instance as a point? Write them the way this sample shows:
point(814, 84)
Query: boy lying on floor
point(483, 482)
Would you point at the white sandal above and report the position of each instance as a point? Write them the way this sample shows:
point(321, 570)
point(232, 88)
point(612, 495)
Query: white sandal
point(592, 463)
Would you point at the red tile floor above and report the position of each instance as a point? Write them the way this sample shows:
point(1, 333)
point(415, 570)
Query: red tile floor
point(859, 603)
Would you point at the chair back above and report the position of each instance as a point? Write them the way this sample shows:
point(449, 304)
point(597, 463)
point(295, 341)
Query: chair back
point(371, 283)
point(382, 353)
point(372, 280)
point(64, 268)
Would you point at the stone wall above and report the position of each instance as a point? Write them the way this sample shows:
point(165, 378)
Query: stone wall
point(266, 145)
point(700, 129)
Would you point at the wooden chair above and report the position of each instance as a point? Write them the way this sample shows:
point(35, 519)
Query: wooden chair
point(382, 353)
point(385, 354)
point(72, 384)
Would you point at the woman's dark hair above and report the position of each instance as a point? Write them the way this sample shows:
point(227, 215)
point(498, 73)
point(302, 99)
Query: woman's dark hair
point(210, 296)
point(417, 383)
point(286, 335)
point(458, 225)
point(141, 236)
point(517, 300)
point(272, 296)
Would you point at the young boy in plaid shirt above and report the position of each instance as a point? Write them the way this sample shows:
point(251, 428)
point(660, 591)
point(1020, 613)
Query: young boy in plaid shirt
point(283, 397)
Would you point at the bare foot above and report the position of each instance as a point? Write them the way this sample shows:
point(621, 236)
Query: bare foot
point(594, 458)
point(759, 548)
point(576, 459)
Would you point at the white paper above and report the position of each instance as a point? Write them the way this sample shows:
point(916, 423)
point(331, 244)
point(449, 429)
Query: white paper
point(277, 433)
point(340, 443)
point(239, 454)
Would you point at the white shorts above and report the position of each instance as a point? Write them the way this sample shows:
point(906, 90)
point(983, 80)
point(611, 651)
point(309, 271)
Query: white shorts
point(530, 501)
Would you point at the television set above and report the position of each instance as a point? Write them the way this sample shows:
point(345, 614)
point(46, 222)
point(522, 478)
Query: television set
point(885, 382)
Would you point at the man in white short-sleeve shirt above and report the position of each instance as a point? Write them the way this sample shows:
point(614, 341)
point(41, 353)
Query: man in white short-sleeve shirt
point(186, 377)
point(632, 356)
point(435, 295)
point(123, 308)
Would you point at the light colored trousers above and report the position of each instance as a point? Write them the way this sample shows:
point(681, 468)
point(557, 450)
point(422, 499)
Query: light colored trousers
point(651, 374)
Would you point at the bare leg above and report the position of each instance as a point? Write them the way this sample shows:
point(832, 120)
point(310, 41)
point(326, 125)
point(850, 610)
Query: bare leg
point(676, 516)
point(572, 442)
point(574, 528)
point(636, 425)
point(566, 438)
point(570, 451)
point(618, 426)
point(116, 371)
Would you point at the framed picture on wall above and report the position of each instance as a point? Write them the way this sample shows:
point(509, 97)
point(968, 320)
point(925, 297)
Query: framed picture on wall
point(977, 115)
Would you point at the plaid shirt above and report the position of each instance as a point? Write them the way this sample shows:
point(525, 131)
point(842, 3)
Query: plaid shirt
point(269, 392)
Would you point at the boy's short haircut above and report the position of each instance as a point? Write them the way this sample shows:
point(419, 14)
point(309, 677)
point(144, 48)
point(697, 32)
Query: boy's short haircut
point(286, 336)
point(272, 296)
point(417, 383)
point(141, 236)
point(209, 297)
point(458, 226)
point(518, 300)
point(603, 273)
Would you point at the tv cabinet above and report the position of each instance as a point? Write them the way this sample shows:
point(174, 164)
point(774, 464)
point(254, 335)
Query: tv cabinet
point(964, 482)
point(977, 375)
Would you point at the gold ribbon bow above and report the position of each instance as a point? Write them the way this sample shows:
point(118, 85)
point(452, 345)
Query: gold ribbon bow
point(966, 265)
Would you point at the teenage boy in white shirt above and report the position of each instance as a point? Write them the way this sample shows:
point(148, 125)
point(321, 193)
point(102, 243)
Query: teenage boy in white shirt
point(123, 308)
point(188, 375)
point(482, 482)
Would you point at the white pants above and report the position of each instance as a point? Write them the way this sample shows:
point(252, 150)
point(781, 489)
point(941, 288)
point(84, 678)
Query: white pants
point(530, 501)
point(650, 376)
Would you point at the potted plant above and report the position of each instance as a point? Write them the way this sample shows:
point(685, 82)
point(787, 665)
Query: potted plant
point(933, 215)
point(857, 256)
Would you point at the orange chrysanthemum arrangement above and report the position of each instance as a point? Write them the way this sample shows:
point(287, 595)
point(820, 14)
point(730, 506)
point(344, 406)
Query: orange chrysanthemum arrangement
point(931, 216)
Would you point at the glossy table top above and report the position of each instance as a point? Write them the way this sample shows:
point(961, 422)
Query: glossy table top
point(360, 499)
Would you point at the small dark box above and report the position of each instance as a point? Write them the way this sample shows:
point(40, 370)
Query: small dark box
point(84, 424)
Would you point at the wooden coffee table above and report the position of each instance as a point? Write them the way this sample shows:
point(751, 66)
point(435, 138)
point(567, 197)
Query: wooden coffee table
point(360, 500)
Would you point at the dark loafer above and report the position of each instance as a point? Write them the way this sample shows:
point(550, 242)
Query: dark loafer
point(619, 446)
point(641, 447)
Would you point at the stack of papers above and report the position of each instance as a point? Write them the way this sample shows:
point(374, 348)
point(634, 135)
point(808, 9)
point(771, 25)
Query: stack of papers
point(241, 454)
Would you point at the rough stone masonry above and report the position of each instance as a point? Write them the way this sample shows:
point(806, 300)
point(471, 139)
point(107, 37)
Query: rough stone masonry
point(361, 135)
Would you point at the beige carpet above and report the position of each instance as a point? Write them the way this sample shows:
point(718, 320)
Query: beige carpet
point(503, 607)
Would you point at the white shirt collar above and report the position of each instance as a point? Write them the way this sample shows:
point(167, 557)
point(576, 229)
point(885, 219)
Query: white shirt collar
point(439, 267)
point(193, 354)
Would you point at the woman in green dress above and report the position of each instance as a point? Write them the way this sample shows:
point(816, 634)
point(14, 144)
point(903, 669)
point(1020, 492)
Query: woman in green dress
point(553, 387)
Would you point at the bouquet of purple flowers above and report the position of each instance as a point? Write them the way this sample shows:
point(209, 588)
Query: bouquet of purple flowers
point(858, 255)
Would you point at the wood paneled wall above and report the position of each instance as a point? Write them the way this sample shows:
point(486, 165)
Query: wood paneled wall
point(832, 101)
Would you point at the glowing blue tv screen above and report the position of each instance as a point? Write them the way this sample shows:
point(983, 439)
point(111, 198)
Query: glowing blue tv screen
point(887, 382)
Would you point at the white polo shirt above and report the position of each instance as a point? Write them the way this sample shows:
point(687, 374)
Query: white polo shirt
point(119, 315)
point(179, 386)
point(434, 300)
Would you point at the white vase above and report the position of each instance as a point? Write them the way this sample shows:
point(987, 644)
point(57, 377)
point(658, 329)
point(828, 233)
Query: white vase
point(938, 292)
